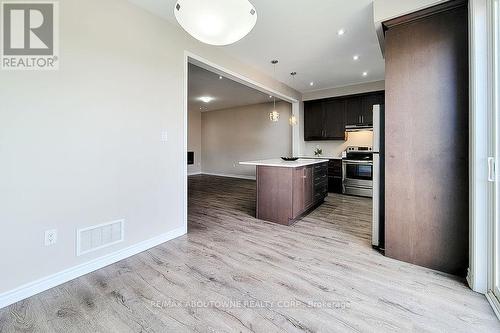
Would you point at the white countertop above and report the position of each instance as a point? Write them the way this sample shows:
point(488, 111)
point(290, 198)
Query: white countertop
point(278, 162)
point(323, 157)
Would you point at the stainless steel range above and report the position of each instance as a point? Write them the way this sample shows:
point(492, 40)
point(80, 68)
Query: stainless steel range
point(357, 171)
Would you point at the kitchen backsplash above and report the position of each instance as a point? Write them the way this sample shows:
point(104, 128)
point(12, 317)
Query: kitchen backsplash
point(335, 148)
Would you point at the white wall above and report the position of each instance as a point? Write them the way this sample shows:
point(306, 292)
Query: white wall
point(244, 133)
point(387, 9)
point(82, 145)
point(194, 140)
point(345, 90)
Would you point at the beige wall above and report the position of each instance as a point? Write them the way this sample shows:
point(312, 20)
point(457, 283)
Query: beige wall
point(245, 133)
point(82, 145)
point(194, 140)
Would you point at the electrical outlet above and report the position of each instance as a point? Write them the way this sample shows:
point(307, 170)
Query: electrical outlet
point(50, 237)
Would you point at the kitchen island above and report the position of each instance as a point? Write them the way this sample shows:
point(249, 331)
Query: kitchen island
point(287, 190)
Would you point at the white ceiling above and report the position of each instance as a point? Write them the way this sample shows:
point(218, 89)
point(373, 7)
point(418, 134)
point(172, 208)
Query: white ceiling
point(226, 93)
point(302, 35)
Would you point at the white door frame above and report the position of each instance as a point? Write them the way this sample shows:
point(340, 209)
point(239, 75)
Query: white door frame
point(199, 61)
point(493, 107)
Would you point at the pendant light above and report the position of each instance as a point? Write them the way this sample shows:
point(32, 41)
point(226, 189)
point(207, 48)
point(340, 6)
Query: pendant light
point(274, 116)
point(293, 120)
point(216, 22)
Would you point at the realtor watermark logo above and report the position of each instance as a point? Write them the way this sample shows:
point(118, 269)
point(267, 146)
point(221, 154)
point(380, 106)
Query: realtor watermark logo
point(30, 35)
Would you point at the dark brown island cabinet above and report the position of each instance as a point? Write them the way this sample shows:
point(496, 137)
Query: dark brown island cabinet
point(326, 119)
point(335, 176)
point(288, 190)
point(426, 140)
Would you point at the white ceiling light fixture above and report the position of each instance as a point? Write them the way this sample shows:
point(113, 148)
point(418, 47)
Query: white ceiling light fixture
point(206, 99)
point(365, 73)
point(341, 32)
point(355, 57)
point(216, 22)
point(311, 84)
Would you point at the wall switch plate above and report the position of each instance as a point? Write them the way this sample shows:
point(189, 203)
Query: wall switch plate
point(50, 237)
point(164, 136)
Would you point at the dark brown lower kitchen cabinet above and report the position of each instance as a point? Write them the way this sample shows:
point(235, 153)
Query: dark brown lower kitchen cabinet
point(335, 176)
point(320, 182)
point(426, 140)
point(302, 189)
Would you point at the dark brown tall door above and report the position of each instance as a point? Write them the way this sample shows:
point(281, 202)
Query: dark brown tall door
point(313, 120)
point(334, 113)
point(426, 141)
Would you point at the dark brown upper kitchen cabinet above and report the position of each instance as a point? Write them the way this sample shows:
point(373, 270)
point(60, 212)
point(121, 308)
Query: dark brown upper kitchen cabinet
point(313, 120)
point(353, 110)
point(334, 120)
point(326, 119)
point(359, 108)
point(426, 138)
point(367, 103)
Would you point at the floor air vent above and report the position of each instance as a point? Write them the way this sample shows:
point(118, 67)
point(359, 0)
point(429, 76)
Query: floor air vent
point(99, 236)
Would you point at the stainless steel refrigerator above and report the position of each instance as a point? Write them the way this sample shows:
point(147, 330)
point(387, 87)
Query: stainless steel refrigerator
point(378, 230)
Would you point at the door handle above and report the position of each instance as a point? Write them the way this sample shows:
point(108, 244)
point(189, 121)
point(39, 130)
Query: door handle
point(491, 169)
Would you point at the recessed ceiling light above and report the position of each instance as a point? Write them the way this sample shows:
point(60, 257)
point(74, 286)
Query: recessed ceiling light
point(220, 77)
point(270, 96)
point(365, 73)
point(206, 99)
point(341, 32)
point(311, 84)
point(355, 57)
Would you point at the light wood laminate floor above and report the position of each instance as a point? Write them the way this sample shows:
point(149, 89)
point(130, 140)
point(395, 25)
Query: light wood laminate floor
point(233, 273)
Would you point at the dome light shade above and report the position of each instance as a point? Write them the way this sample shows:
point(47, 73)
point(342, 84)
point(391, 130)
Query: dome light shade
point(216, 22)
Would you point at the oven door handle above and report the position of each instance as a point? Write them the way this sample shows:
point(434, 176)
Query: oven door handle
point(357, 162)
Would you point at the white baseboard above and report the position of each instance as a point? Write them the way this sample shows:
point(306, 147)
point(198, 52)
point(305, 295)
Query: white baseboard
point(35, 287)
point(194, 173)
point(228, 175)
